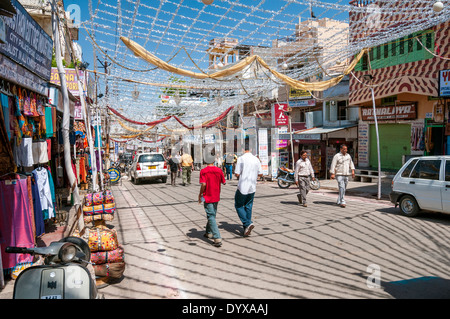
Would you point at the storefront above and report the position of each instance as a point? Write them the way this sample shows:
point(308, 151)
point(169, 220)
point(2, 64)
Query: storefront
point(28, 127)
point(401, 135)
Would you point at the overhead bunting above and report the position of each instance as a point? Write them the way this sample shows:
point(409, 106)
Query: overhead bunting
point(241, 65)
point(206, 124)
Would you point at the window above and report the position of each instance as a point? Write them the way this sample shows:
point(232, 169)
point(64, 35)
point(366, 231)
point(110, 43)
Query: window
point(409, 168)
point(342, 110)
point(410, 43)
point(401, 44)
point(394, 48)
point(419, 46)
point(386, 51)
point(427, 169)
point(447, 171)
point(378, 55)
point(151, 158)
point(429, 41)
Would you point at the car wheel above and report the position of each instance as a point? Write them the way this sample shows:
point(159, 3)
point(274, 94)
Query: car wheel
point(408, 206)
point(164, 180)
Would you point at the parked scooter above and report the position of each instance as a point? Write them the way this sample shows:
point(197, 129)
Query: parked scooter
point(285, 177)
point(63, 274)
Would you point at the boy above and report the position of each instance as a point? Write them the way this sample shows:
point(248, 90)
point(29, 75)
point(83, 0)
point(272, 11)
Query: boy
point(211, 177)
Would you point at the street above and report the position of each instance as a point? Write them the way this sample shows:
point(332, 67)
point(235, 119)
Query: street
point(366, 250)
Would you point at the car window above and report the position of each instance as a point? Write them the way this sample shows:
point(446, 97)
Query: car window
point(427, 169)
point(447, 171)
point(151, 158)
point(409, 168)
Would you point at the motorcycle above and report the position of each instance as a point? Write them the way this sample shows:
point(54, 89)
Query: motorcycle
point(285, 177)
point(63, 273)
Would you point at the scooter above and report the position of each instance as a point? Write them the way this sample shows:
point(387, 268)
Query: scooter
point(285, 177)
point(63, 274)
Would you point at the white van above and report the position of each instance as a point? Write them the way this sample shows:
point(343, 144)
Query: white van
point(423, 183)
point(148, 166)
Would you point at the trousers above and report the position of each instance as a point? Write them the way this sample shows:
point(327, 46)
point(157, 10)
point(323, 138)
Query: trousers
point(211, 225)
point(342, 181)
point(244, 205)
point(303, 187)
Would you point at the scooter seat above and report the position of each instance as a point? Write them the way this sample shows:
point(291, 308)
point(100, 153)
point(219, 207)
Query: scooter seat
point(287, 169)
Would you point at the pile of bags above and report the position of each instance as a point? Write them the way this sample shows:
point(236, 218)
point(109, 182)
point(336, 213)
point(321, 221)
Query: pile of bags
point(99, 206)
point(106, 253)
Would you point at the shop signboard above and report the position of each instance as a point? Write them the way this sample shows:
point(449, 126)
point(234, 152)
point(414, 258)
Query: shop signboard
point(302, 103)
point(279, 117)
point(299, 94)
point(71, 80)
point(263, 150)
point(444, 83)
point(387, 113)
point(363, 144)
point(17, 74)
point(27, 43)
point(114, 175)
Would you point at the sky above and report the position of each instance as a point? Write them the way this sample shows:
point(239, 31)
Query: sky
point(81, 7)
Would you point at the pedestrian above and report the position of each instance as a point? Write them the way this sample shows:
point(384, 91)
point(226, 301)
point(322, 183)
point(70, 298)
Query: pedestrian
point(303, 172)
point(178, 160)
point(229, 160)
point(211, 178)
point(187, 165)
point(173, 166)
point(248, 168)
point(340, 169)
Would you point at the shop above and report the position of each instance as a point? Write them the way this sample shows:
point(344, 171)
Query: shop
point(28, 131)
point(401, 135)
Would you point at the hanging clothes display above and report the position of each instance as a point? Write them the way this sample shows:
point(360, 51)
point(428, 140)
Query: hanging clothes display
point(38, 214)
point(45, 194)
point(16, 227)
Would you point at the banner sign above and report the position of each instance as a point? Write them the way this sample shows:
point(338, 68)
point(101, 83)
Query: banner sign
point(302, 103)
point(299, 94)
point(17, 74)
point(71, 80)
point(27, 43)
point(444, 83)
point(263, 150)
point(399, 112)
point(279, 118)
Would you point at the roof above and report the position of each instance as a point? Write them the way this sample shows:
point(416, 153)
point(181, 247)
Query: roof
point(324, 130)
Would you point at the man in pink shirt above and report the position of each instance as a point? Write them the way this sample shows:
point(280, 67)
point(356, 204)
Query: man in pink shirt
point(211, 178)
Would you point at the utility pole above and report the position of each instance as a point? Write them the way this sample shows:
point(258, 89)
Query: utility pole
point(105, 64)
point(66, 116)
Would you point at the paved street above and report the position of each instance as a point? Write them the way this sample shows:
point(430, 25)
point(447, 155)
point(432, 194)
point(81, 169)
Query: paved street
point(322, 251)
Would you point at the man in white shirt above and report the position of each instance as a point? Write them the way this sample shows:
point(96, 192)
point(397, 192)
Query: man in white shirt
point(340, 169)
point(248, 168)
point(303, 172)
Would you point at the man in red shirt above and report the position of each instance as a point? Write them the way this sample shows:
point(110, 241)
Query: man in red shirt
point(211, 178)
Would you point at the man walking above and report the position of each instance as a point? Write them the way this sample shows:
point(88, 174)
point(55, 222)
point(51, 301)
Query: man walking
point(229, 160)
point(211, 177)
point(303, 172)
point(340, 169)
point(173, 166)
point(248, 168)
point(187, 165)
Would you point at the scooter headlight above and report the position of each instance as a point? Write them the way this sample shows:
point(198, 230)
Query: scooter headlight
point(67, 252)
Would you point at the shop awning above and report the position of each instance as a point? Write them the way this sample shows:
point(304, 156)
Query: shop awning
point(314, 133)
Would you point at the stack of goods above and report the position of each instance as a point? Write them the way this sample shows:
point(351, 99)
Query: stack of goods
point(99, 206)
point(106, 253)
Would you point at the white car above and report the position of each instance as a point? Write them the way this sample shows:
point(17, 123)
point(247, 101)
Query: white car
point(148, 166)
point(423, 183)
